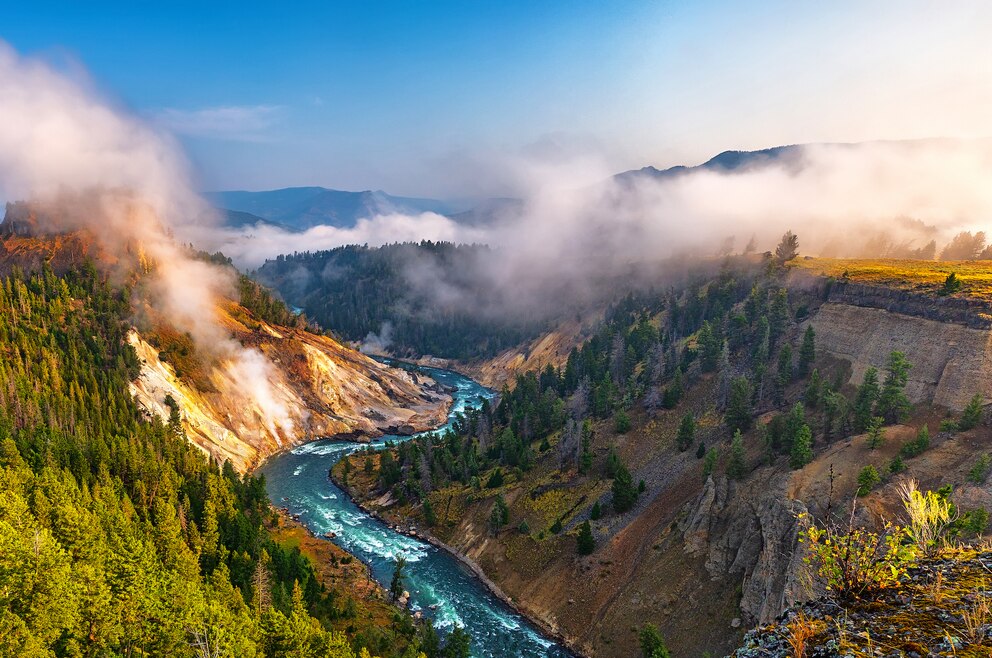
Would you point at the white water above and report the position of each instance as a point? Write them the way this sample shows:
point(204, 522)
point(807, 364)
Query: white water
point(440, 586)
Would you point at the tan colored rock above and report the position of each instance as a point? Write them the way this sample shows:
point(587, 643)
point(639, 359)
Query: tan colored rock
point(951, 362)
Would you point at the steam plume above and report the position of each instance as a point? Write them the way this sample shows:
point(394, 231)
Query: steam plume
point(90, 165)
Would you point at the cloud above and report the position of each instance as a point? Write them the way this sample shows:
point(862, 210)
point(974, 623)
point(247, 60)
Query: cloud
point(579, 233)
point(249, 123)
point(250, 246)
point(84, 164)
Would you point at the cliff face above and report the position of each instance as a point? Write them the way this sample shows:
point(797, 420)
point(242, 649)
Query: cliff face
point(947, 339)
point(950, 361)
point(325, 389)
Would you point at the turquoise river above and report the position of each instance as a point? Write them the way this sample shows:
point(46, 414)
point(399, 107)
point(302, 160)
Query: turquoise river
point(440, 586)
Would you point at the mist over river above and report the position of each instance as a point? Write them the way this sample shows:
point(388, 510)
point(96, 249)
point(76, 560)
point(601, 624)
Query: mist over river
point(440, 586)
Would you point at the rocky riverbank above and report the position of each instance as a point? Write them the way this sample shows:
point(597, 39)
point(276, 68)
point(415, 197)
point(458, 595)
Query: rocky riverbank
point(405, 528)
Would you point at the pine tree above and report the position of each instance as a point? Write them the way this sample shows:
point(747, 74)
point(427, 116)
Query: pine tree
point(624, 491)
point(621, 422)
point(893, 405)
point(709, 463)
point(876, 434)
point(972, 414)
point(586, 543)
point(802, 448)
point(686, 432)
point(784, 375)
point(737, 466)
point(864, 400)
point(738, 416)
point(458, 644)
point(868, 478)
point(396, 584)
point(814, 390)
point(500, 514)
point(788, 248)
point(807, 351)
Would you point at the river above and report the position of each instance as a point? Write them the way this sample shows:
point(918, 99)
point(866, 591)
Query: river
point(440, 586)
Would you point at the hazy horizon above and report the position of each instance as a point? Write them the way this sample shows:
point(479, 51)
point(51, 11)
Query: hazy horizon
point(442, 100)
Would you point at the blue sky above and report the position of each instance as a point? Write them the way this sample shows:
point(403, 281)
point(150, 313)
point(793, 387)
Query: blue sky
point(433, 98)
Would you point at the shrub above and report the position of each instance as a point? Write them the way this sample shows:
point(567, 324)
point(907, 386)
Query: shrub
point(596, 512)
point(652, 643)
point(868, 478)
point(972, 414)
point(641, 487)
point(980, 470)
point(495, 480)
point(897, 465)
point(700, 450)
point(952, 284)
point(918, 445)
point(948, 425)
point(974, 522)
point(930, 514)
point(524, 527)
point(621, 422)
point(585, 542)
point(856, 562)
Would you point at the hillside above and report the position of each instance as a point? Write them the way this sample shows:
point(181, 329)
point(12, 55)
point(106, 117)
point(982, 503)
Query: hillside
point(408, 300)
point(321, 388)
point(116, 536)
point(327, 390)
point(709, 548)
point(300, 208)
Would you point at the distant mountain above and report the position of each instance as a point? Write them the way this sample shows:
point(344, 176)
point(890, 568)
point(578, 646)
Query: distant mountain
point(727, 161)
point(240, 219)
point(300, 208)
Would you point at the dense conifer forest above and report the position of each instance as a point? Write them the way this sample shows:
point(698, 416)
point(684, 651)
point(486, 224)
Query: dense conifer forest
point(393, 292)
point(117, 536)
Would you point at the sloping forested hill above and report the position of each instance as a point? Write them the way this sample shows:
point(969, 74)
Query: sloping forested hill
point(411, 298)
point(116, 536)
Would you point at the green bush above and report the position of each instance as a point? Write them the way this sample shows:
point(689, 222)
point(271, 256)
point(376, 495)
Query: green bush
point(495, 480)
point(868, 479)
point(972, 414)
point(980, 470)
point(918, 445)
point(621, 422)
point(586, 543)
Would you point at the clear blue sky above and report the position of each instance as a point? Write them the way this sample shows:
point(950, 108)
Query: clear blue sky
point(428, 97)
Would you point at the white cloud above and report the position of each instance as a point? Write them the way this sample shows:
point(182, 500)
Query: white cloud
point(247, 123)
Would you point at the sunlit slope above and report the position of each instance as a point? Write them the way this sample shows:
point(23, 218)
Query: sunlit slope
point(326, 388)
point(923, 276)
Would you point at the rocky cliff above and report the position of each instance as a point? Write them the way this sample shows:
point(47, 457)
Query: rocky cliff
point(325, 389)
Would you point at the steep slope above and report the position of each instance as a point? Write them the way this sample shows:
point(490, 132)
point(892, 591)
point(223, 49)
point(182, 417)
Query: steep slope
point(287, 385)
point(327, 390)
point(703, 555)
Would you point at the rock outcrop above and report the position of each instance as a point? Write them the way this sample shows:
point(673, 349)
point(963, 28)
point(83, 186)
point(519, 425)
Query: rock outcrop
point(950, 360)
point(749, 533)
point(325, 389)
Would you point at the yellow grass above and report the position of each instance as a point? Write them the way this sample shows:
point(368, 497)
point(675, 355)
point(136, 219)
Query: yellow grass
point(919, 275)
